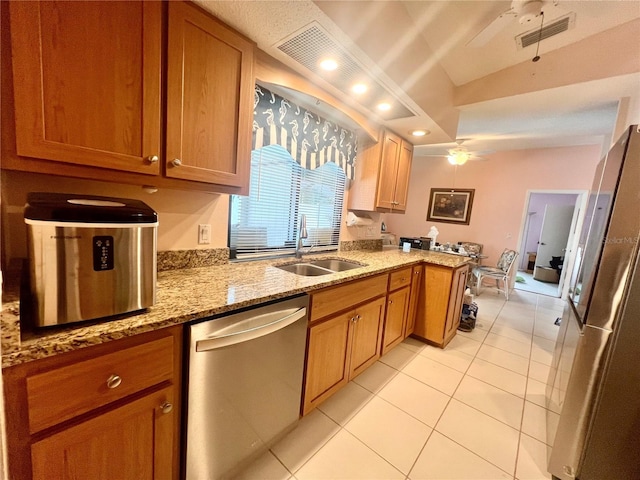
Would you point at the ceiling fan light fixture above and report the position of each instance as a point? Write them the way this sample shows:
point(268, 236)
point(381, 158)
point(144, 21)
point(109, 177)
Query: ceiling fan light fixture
point(458, 156)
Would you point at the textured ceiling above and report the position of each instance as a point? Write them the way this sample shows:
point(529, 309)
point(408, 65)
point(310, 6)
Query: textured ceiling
point(493, 96)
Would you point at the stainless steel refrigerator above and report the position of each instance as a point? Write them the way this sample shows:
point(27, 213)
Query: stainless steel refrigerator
point(594, 382)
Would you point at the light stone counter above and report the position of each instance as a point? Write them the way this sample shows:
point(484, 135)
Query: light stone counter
point(197, 293)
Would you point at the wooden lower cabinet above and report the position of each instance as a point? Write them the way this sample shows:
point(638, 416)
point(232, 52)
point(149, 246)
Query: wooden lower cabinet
point(416, 281)
point(366, 332)
point(132, 441)
point(440, 303)
point(327, 359)
point(114, 411)
point(345, 340)
point(395, 318)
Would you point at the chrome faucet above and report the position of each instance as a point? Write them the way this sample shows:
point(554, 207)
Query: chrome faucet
point(301, 234)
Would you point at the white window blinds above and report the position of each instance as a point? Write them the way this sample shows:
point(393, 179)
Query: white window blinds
point(266, 222)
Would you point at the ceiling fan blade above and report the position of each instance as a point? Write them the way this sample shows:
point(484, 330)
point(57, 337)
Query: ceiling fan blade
point(491, 30)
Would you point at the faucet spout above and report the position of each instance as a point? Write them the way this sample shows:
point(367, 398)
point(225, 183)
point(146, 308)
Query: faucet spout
point(301, 234)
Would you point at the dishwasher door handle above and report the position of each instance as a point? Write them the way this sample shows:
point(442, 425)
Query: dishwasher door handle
point(224, 340)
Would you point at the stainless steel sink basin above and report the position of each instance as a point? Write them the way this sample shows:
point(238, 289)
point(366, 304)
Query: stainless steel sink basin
point(335, 264)
point(319, 267)
point(306, 269)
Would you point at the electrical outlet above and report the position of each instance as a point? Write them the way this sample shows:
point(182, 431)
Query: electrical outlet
point(204, 234)
point(370, 232)
point(508, 235)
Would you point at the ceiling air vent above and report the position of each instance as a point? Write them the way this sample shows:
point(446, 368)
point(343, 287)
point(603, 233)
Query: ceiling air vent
point(557, 26)
point(312, 44)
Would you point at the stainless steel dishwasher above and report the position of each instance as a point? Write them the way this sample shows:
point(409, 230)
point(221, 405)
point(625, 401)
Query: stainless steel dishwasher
point(245, 385)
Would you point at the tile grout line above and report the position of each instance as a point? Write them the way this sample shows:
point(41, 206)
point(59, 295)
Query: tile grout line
point(451, 398)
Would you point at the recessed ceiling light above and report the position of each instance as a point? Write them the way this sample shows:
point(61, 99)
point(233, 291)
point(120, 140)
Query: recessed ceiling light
point(420, 133)
point(328, 64)
point(384, 107)
point(359, 88)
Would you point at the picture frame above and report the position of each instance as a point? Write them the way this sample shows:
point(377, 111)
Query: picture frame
point(449, 205)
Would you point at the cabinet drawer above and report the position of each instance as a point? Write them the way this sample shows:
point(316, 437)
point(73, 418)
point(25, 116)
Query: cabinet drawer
point(335, 299)
point(66, 392)
point(400, 278)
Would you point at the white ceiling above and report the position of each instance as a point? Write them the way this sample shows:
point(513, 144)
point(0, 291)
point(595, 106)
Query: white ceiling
point(570, 112)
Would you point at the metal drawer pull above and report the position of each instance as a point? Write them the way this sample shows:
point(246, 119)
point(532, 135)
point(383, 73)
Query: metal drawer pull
point(114, 381)
point(152, 158)
point(166, 407)
point(176, 162)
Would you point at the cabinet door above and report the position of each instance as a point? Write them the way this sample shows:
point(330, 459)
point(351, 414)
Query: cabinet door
point(327, 365)
point(87, 82)
point(366, 336)
point(209, 99)
point(132, 441)
point(388, 171)
point(458, 286)
point(395, 318)
point(402, 177)
point(433, 304)
point(416, 279)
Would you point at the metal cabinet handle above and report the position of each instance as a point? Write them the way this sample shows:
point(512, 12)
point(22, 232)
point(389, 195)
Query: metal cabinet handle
point(114, 381)
point(417, 272)
point(152, 158)
point(176, 162)
point(166, 407)
point(390, 302)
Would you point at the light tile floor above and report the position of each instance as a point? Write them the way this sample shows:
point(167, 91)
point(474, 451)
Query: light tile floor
point(532, 285)
point(474, 410)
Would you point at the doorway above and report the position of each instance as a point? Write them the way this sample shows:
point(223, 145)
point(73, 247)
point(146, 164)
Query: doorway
point(550, 221)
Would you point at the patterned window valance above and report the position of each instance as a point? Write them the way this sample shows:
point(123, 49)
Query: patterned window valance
point(311, 140)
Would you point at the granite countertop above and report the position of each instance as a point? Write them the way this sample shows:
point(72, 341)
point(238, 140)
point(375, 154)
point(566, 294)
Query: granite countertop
point(195, 293)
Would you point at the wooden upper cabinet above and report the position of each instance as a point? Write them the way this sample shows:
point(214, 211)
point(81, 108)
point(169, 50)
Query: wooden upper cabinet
point(382, 175)
point(209, 93)
point(87, 82)
point(388, 168)
point(402, 178)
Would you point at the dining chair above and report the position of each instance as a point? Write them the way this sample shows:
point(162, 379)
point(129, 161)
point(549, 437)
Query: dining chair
point(501, 271)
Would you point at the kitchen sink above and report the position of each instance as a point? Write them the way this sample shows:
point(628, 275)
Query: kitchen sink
point(336, 265)
point(319, 267)
point(306, 269)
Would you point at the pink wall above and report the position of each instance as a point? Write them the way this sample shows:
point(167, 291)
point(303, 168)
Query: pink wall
point(501, 183)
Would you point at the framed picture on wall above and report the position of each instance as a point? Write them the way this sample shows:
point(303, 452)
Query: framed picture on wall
point(450, 205)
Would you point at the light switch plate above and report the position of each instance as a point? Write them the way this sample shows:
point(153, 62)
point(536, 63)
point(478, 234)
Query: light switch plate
point(204, 234)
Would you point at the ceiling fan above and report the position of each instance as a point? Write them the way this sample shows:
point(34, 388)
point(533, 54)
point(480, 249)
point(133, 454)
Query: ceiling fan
point(459, 155)
point(525, 11)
